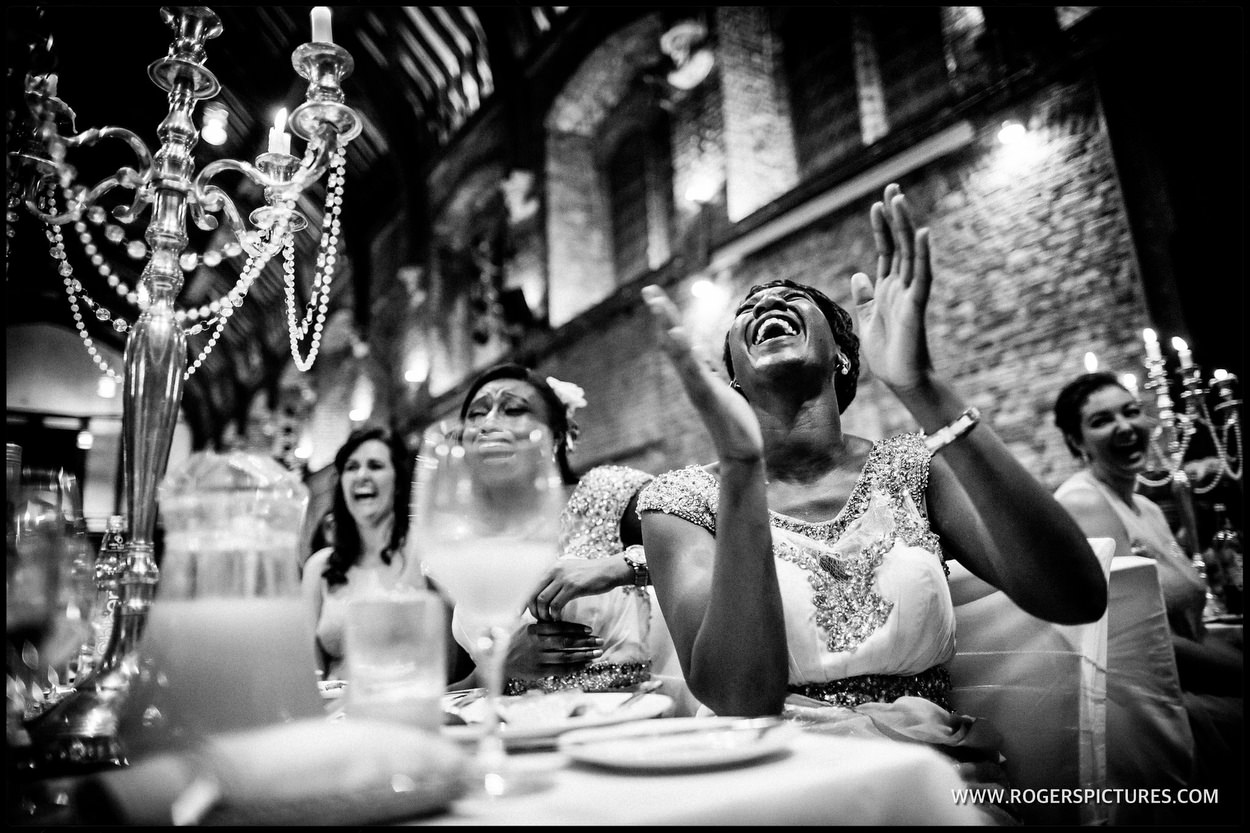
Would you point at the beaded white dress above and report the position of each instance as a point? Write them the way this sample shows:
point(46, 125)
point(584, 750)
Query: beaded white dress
point(868, 614)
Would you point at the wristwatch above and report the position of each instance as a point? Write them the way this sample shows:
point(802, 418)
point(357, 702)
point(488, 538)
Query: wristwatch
point(636, 558)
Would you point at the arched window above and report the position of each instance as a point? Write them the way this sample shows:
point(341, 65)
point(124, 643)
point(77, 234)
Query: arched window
point(818, 60)
point(858, 74)
point(639, 181)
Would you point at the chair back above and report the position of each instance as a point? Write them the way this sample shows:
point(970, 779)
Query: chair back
point(1149, 741)
point(1042, 685)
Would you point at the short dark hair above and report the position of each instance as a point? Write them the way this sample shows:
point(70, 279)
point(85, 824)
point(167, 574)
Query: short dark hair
point(346, 550)
point(1073, 397)
point(840, 323)
point(562, 429)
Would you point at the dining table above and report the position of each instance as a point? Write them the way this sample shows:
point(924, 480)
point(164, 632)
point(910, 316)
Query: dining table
point(345, 772)
point(818, 780)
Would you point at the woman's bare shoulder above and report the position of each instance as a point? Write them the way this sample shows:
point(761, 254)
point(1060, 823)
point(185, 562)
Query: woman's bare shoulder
point(316, 563)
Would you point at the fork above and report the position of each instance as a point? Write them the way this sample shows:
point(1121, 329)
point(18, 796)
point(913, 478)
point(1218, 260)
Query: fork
point(644, 689)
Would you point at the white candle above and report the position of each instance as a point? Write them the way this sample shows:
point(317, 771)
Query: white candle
point(1152, 345)
point(1182, 350)
point(279, 139)
point(1221, 380)
point(321, 25)
point(1091, 362)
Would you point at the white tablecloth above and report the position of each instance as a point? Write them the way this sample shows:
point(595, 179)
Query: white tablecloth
point(823, 780)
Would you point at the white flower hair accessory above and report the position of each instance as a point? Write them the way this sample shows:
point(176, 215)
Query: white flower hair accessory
point(573, 397)
point(570, 394)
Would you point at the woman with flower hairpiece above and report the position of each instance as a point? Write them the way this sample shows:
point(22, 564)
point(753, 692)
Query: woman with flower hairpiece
point(589, 617)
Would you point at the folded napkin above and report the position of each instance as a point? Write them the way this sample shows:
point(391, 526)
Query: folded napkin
point(308, 772)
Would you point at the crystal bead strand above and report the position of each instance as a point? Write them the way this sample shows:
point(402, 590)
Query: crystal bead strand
point(188, 262)
point(319, 302)
point(251, 270)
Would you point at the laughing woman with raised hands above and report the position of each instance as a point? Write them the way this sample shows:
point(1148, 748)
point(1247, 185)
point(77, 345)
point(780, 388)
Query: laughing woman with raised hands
point(805, 569)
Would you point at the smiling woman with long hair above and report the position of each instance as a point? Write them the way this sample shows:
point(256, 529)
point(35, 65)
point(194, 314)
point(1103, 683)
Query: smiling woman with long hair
point(374, 477)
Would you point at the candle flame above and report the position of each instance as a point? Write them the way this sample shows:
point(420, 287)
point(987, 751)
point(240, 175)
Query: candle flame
point(1178, 343)
point(279, 121)
point(1091, 362)
point(1148, 335)
point(1220, 374)
point(1130, 383)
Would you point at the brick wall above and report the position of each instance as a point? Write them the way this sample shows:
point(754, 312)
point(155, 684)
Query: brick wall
point(1034, 267)
point(758, 141)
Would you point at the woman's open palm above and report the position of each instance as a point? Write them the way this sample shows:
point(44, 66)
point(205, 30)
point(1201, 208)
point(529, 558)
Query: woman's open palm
point(891, 308)
point(732, 425)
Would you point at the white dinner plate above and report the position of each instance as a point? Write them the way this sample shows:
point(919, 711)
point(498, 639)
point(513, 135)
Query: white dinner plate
point(534, 721)
point(680, 743)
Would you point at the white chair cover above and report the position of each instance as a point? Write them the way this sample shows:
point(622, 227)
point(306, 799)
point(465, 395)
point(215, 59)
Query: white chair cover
point(1042, 685)
point(1149, 740)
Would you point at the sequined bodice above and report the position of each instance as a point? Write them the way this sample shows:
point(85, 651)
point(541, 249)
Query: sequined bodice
point(591, 523)
point(865, 591)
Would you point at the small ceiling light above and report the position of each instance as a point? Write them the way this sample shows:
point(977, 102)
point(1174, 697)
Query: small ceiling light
point(362, 398)
point(1011, 132)
point(85, 440)
point(214, 129)
point(106, 387)
point(303, 448)
point(701, 189)
point(1091, 362)
point(418, 366)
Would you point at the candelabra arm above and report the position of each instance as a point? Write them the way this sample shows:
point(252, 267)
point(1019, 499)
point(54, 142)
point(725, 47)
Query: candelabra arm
point(321, 149)
point(82, 199)
point(208, 199)
point(97, 134)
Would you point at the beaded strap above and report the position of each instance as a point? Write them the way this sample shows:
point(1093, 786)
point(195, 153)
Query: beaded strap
point(590, 526)
point(933, 684)
point(603, 677)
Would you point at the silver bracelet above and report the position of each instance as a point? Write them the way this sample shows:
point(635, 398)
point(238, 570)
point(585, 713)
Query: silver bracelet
point(947, 434)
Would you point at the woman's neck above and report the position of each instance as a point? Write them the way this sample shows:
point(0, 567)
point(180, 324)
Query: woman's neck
point(374, 539)
point(1122, 484)
point(803, 439)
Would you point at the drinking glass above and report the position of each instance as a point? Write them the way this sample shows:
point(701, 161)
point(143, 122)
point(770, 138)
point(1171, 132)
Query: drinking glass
point(396, 648)
point(38, 570)
point(485, 523)
point(77, 603)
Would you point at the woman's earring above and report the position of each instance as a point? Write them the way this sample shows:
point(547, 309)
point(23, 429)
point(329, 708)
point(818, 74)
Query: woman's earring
point(733, 383)
point(844, 366)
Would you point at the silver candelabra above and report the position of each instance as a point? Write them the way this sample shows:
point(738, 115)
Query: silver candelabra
point(82, 729)
point(1178, 427)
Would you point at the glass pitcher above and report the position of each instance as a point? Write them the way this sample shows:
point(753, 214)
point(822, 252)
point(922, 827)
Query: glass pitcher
point(229, 639)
